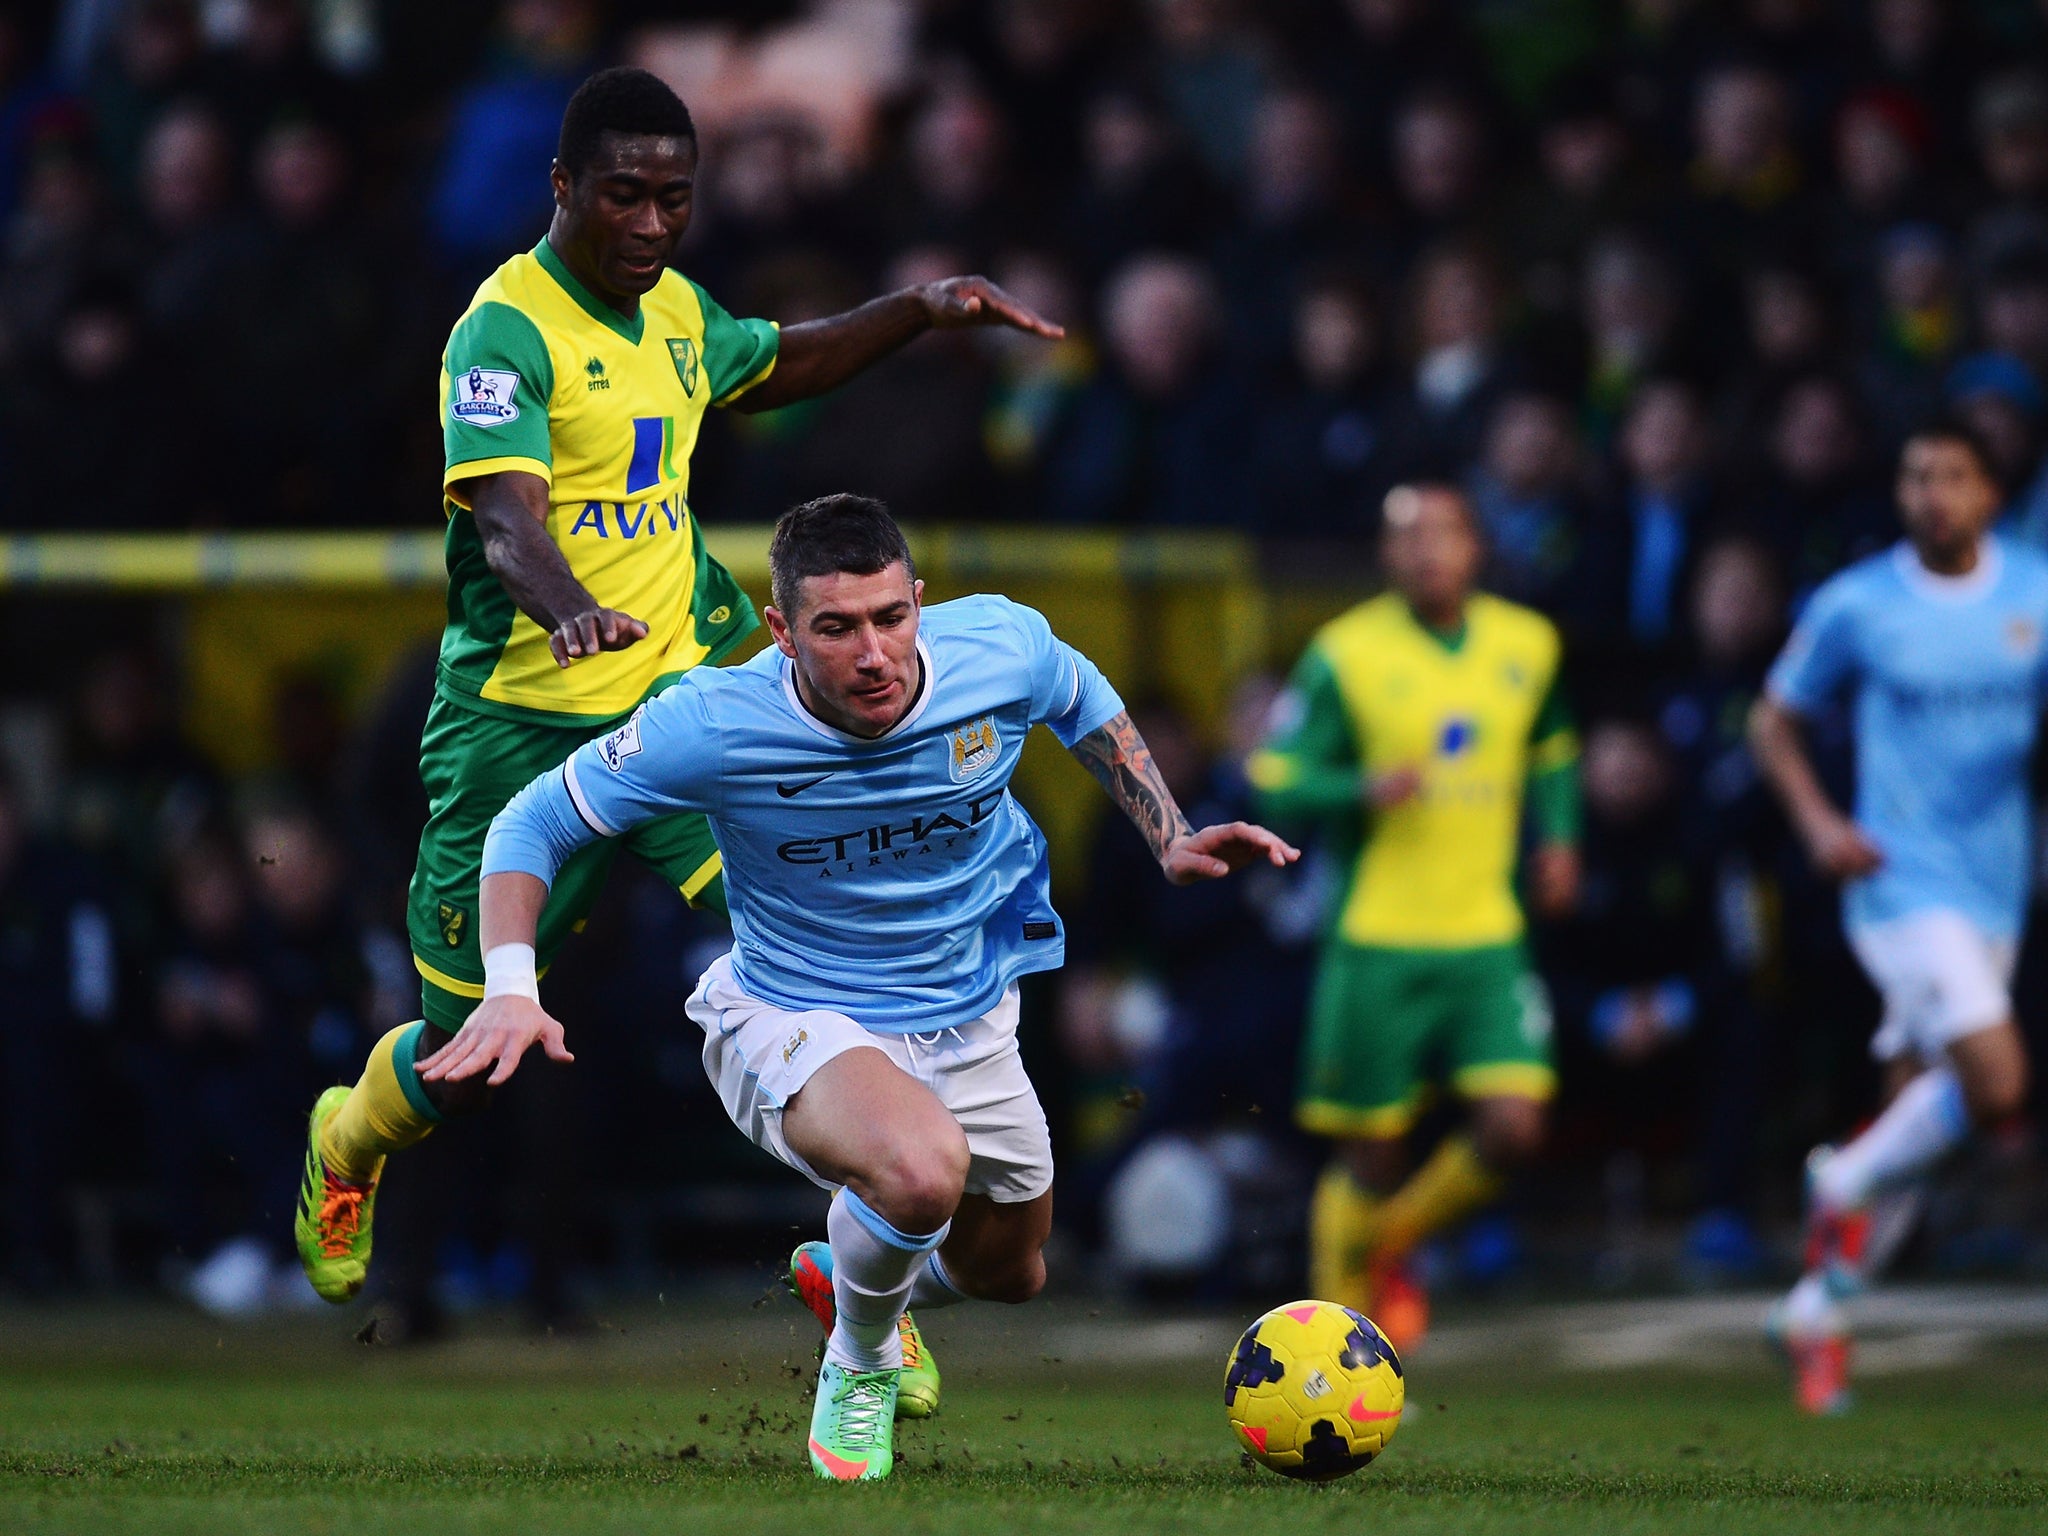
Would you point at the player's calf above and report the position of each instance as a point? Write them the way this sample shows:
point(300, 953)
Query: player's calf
point(1507, 1132)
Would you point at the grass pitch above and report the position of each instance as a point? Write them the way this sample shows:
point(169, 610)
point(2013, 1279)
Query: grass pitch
point(1056, 1420)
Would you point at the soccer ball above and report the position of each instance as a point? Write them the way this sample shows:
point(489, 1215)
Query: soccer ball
point(1313, 1390)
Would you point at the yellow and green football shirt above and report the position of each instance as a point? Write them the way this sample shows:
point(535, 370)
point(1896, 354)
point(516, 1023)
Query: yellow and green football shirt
point(541, 375)
point(1479, 714)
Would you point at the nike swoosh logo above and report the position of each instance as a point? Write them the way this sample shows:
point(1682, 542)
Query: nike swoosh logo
point(787, 790)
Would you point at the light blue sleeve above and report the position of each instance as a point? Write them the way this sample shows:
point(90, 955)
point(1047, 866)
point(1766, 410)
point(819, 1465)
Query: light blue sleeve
point(665, 758)
point(1820, 660)
point(1068, 691)
point(537, 831)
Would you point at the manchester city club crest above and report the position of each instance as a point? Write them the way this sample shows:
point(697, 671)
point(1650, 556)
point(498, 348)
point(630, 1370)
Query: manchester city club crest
point(975, 748)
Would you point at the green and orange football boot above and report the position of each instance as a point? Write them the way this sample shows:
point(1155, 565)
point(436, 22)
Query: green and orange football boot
point(853, 1426)
point(810, 1281)
point(333, 1222)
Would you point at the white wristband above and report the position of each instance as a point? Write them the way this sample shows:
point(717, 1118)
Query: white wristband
point(508, 972)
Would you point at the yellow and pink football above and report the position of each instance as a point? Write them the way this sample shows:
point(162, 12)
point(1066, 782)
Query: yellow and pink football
point(1314, 1391)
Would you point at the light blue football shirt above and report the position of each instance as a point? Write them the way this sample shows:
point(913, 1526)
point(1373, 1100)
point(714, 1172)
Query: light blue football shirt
point(1945, 678)
point(894, 880)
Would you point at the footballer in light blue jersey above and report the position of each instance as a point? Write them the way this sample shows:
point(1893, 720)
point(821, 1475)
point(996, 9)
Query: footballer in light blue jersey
point(894, 879)
point(886, 893)
point(1937, 648)
point(1946, 677)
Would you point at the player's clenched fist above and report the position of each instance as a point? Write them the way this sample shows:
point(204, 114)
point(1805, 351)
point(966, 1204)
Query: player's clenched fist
point(594, 630)
point(500, 1031)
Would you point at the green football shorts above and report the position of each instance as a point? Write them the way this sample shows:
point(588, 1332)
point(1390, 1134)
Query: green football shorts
point(1387, 1025)
point(471, 764)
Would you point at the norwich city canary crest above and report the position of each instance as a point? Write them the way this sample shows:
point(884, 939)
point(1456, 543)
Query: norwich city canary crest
point(453, 921)
point(684, 351)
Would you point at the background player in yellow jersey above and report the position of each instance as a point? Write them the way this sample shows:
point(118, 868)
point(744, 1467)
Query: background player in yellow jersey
point(571, 394)
point(1413, 727)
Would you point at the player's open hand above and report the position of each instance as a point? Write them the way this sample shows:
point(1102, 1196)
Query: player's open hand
point(1841, 851)
point(594, 630)
point(498, 1032)
point(1214, 852)
point(962, 301)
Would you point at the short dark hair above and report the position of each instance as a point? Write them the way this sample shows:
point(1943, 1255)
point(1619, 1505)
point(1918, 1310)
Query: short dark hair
point(622, 100)
point(854, 534)
point(1954, 429)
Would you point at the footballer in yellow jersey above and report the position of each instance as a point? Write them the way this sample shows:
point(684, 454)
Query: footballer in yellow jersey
point(571, 395)
point(1421, 725)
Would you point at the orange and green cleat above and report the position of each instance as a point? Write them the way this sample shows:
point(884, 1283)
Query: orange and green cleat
point(1399, 1304)
point(810, 1281)
point(333, 1223)
point(853, 1426)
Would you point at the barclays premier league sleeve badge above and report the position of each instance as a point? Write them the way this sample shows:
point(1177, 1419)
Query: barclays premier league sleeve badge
point(483, 397)
point(622, 743)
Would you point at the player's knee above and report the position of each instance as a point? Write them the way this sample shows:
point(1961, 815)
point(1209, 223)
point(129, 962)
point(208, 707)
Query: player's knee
point(1509, 1132)
point(918, 1186)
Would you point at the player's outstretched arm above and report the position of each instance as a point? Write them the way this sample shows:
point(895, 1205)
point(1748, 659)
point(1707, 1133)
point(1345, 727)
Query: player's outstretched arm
point(1835, 843)
point(510, 1019)
point(1118, 757)
point(820, 355)
point(511, 511)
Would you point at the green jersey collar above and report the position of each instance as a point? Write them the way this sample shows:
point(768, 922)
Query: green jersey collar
point(1452, 640)
point(587, 301)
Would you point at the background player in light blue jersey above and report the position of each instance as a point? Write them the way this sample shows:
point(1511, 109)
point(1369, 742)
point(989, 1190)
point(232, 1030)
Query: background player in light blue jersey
point(1936, 645)
point(886, 893)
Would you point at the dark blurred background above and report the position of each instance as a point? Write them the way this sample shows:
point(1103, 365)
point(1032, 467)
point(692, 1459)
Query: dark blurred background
point(1662, 282)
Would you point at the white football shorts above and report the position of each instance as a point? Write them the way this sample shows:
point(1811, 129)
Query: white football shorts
point(758, 1055)
point(1941, 976)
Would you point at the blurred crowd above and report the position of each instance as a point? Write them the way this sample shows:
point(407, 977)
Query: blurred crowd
point(1661, 282)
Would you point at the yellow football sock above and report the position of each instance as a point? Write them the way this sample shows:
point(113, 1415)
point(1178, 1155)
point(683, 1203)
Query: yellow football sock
point(387, 1110)
point(1452, 1184)
point(1342, 1220)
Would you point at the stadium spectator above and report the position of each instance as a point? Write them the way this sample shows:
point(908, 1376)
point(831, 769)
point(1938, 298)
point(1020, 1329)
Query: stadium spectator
point(1140, 188)
point(60, 970)
point(1211, 71)
point(487, 198)
point(1642, 548)
point(212, 1075)
point(1818, 495)
point(1460, 366)
point(1528, 494)
point(1155, 439)
point(1583, 183)
point(270, 76)
point(150, 62)
point(1630, 968)
point(1328, 440)
point(1035, 389)
point(1632, 318)
point(51, 243)
point(1438, 168)
point(1296, 213)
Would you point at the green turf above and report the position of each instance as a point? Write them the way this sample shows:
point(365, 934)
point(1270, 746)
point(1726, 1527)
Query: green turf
point(692, 1426)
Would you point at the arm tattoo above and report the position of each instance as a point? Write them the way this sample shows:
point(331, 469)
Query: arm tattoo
point(1118, 757)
